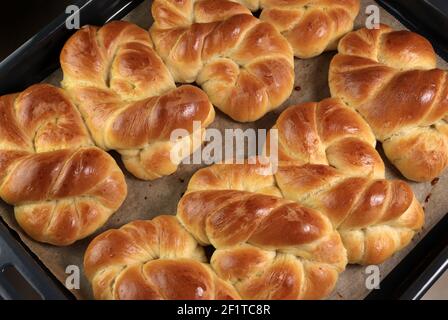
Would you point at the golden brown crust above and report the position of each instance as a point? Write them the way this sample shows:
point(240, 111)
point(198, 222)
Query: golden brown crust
point(328, 133)
point(254, 177)
point(327, 161)
point(128, 98)
point(389, 77)
point(267, 247)
point(382, 215)
point(368, 212)
point(310, 26)
point(244, 65)
point(62, 187)
point(151, 260)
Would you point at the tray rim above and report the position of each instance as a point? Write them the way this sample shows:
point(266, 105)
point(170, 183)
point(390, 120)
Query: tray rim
point(396, 285)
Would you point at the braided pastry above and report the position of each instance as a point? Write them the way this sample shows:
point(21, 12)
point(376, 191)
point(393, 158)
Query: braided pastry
point(267, 247)
point(151, 260)
point(310, 26)
point(244, 65)
point(62, 187)
point(327, 162)
point(389, 77)
point(328, 133)
point(128, 98)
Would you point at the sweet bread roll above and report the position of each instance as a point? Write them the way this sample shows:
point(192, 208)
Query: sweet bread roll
point(327, 162)
point(328, 133)
point(62, 187)
point(244, 65)
point(375, 217)
point(390, 78)
point(151, 260)
point(266, 246)
point(129, 100)
point(310, 26)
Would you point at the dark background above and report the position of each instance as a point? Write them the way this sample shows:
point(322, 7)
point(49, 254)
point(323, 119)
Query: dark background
point(20, 20)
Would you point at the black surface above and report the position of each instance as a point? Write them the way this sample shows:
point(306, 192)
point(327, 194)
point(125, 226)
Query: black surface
point(21, 276)
point(427, 17)
point(39, 56)
point(21, 20)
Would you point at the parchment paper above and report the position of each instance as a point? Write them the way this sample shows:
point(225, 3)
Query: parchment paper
point(148, 199)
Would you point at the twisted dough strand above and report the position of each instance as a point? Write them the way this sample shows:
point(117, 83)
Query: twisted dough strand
point(154, 259)
point(374, 217)
point(128, 98)
point(267, 247)
point(62, 187)
point(327, 162)
point(328, 133)
point(389, 77)
point(244, 65)
point(310, 26)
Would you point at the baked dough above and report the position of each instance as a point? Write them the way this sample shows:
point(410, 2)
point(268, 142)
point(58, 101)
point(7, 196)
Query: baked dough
point(61, 186)
point(244, 65)
point(310, 26)
point(390, 78)
point(152, 260)
point(128, 98)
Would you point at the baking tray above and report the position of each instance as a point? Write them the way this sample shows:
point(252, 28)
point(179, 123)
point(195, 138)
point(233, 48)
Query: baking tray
point(148, 199)
point(430, 17)
point(427, 262)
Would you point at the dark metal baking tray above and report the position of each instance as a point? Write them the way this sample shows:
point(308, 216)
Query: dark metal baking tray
point(22, 276)
point(39, 56)
point(428, 17)
point(424, 265)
